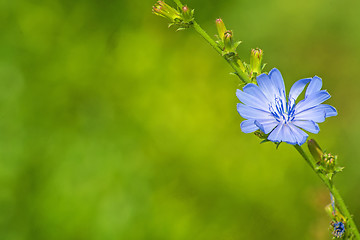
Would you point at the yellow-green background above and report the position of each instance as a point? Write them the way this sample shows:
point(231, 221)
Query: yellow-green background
point(113, 126)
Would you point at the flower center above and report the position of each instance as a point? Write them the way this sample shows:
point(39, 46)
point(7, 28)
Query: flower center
point(283, 111)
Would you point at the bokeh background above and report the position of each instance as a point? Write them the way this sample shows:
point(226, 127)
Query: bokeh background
point(113, 126)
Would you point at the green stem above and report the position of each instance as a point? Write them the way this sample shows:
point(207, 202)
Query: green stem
point(207, 37)
point(338, 199)
point(243, 76)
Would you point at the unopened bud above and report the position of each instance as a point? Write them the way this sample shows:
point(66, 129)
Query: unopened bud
point(260, 134)
point(228, 41)
point(255, 60)
point(315, 150)
point(187, 14)
point(329, 159)
point(220, 28)
point(164, 10)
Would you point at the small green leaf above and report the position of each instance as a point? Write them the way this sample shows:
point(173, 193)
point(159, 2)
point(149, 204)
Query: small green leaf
point(263, 66)
point(236, 44)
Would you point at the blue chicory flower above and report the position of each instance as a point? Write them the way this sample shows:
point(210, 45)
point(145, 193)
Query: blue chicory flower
point(339, 229)
point(266, 107)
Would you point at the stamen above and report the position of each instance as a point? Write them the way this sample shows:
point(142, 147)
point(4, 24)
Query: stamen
point(283, 111)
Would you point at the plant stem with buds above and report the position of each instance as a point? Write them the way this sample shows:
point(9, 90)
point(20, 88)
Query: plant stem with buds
point(338, 199)
point(243, 76)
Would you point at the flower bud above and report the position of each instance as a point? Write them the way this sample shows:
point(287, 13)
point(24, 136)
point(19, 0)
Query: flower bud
point(339, 229)
point(329, 160)
point(185, 9)
point(164, 10)
point(228, 41)
point(326, 163)
point(220, 28)
point(260, 134)
point(255, 60)
point(187, 15)
point(315, 150)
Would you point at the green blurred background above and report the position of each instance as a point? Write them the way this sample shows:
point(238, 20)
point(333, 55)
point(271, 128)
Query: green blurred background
point(113, 126)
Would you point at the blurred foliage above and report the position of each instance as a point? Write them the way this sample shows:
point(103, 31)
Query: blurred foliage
point(113, 126)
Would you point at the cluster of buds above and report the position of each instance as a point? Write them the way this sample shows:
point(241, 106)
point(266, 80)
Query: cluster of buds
point(225, 39)
point(326, 162)
point(182, 18)
point(228, 46)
